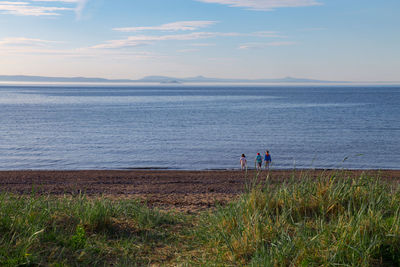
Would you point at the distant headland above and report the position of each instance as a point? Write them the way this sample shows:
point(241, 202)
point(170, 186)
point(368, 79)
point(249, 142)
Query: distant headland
point(154, 79)
point(168, 80)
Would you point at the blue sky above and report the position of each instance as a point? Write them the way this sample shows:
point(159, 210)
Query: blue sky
point(354, 40)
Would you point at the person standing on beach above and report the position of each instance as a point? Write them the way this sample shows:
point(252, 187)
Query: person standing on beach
point(258, 161)
point(267, 159)
point(243, 162)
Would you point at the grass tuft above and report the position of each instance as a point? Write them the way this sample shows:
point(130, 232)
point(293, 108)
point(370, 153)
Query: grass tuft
point(38, 230)
point(325, 221)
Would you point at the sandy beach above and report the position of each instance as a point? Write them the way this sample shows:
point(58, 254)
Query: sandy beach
point(179, 190)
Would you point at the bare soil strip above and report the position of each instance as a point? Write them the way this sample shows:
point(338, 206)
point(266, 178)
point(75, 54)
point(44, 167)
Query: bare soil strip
point(178, 190)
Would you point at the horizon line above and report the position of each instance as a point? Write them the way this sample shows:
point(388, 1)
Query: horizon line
point(169, 79)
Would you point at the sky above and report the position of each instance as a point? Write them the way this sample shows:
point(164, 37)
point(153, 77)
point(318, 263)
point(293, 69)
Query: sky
point(335, 40)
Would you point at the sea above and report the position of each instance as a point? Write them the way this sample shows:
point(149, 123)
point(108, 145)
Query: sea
point(198, 127)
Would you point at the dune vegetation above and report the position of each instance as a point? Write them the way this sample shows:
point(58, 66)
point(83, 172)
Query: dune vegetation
point(332, 220)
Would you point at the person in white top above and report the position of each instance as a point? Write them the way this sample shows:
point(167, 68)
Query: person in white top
point(243, 162)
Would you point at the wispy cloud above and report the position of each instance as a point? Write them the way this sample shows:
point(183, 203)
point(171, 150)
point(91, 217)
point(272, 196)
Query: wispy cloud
point(174, 26)
point(265, 45)
point(139, 40)
point(189, 50)
point(265, 5)
point(79, 8)
point(41, 8)
point(146, 39)
point(268, 34)
point(26, 9)
point(22, 46)
point(202, 44)
point(23, 41)
point(80, 5)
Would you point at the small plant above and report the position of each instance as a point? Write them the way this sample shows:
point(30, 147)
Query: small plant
point(78, 240)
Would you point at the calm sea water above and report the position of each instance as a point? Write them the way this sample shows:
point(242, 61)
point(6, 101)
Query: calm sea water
point(203, 127)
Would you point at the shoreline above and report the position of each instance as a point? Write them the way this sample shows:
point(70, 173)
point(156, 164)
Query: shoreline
point(181, 190)
point(198, 170)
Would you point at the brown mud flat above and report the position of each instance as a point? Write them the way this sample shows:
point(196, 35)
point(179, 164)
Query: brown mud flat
point(177, 190)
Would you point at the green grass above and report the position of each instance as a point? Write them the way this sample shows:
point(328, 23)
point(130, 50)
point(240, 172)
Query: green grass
point(77, 231)
point(329, 221)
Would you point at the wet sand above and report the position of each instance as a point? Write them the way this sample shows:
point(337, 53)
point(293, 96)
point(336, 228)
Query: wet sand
point(178, 190)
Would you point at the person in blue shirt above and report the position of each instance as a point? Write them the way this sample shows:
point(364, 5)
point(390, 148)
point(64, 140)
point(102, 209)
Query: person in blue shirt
point(258, 161)
point(267, 160)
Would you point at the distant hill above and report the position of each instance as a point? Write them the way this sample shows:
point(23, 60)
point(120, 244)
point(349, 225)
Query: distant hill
point(202, 79)
point(154, 79)
point(25, 78)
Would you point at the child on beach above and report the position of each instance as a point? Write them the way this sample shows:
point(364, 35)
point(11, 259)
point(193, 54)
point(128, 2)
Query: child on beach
point(258, 161)
point(267, 159)
point(243, 162)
